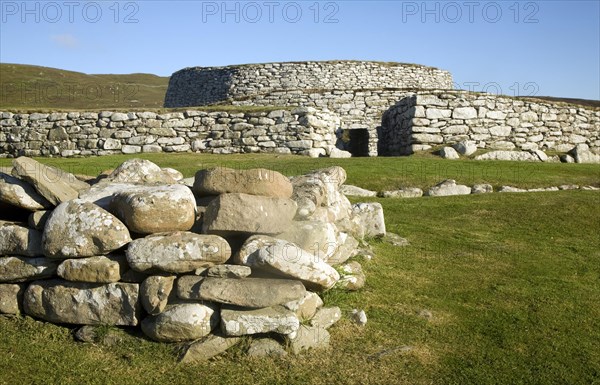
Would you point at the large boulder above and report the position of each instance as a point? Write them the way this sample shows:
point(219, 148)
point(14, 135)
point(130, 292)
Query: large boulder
point(53, 184)
point(142, 171)
point(181, 322)
point(103, 193)
point(239, 322)
point(582, 154)
point(249, 292)
point(83, 303)
point(156, 209)
point(22, 269)
point(97, 269)
point(244, 213)
point(259, 181)
point(286, 259)
point(178, 252)
point(20, 194)
point(16, 239)
point(78, 229)
point(466, 148)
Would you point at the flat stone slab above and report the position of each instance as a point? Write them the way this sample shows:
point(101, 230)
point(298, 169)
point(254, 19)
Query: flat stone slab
point(326, 317)
point(177, 252)
point(229, 271)
point(22, 269)
point(98, 269)
point(52, 183)
point(20, 194)
point(207, 348)
point(258, 181)
point(244, 213)
point(355, 191)
point(78, 229)
point(248, 292)
point(256, 321)
point(83, 303)
point(448, 188)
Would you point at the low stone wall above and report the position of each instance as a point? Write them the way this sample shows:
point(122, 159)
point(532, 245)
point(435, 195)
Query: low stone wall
point(104, 133)
point(434, 118)
point(197, 86)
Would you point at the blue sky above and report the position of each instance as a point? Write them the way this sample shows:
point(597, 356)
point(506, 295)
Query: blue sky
point(510, 47)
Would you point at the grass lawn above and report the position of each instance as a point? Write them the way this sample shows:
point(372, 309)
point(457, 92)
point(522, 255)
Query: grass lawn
point(511, 283)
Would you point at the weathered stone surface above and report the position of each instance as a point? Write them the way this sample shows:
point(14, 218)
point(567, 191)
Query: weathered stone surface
point(78, 229)
point(348, 248)
point(229, 271)
point(249, 292)
point(243, 213)
point(178, 252)
point(259, 181)
point(522, 156)
point(156, 209)
point(352, 276)
point(447, 188)
point(482, 189)
point(207, 348)
point(355, 191)
point(103, 193)
point(511, 189)
point(11, 298)
point(371, 217)
point(239, 322)
point(16, 239)
point(326, 317)
point(309, 337)
point(306, 307)
point(266, 347)
point(408, 192)
point(466, 148)
point(140, 171)
point(20, 194)
point(181, 322)
point(92, 269)
point(319, 238)
point(22, 269)
point(155, 292)
point(288, 260)
point(396, 240)
point(83, 303)
point(53, 184)
point(320, 189)
point(449, 153)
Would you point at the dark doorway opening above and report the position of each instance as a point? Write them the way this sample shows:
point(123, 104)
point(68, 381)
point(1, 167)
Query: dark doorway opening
point(358, 141)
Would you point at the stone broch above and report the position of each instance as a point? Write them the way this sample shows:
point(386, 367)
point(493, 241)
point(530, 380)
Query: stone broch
point(140, 248)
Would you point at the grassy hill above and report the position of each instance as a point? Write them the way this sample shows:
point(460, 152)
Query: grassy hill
point(27, 86)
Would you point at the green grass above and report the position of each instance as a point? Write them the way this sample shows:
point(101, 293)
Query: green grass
point(35, 87)
point(512, 282)
point(372, 173)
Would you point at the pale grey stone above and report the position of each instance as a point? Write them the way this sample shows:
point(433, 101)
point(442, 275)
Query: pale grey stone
point(207, 348)
point(371, 217)
point(23, 269)
point(482, 188)
point(309, 337)
point(181, 322)
point(239, 322)
point(326, 317)
point(355, 191)
point(449, 153)
point(16, 239)
point(447, 188)
point(466, 148)
point(20, 194)
point(83, 303)
point(408, 192)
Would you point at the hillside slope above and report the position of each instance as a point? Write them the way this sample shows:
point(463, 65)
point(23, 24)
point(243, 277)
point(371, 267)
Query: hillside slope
point(27, 86)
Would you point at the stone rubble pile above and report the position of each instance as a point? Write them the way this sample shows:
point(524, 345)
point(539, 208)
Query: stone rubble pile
point(240, 253)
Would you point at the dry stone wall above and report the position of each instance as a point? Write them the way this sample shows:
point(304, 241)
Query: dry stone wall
point(197, 86)
point(103, 133)
point(434, 118)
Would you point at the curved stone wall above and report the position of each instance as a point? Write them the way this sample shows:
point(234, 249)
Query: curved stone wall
point(196, 86)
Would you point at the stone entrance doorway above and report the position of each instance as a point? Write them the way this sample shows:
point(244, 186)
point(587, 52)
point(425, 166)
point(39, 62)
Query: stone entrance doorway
point(358, 141)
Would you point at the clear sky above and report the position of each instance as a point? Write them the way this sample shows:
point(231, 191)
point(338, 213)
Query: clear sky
point(510, 47)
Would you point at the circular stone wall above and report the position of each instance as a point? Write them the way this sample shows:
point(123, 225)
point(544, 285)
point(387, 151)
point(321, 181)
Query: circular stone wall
point(196, 86)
